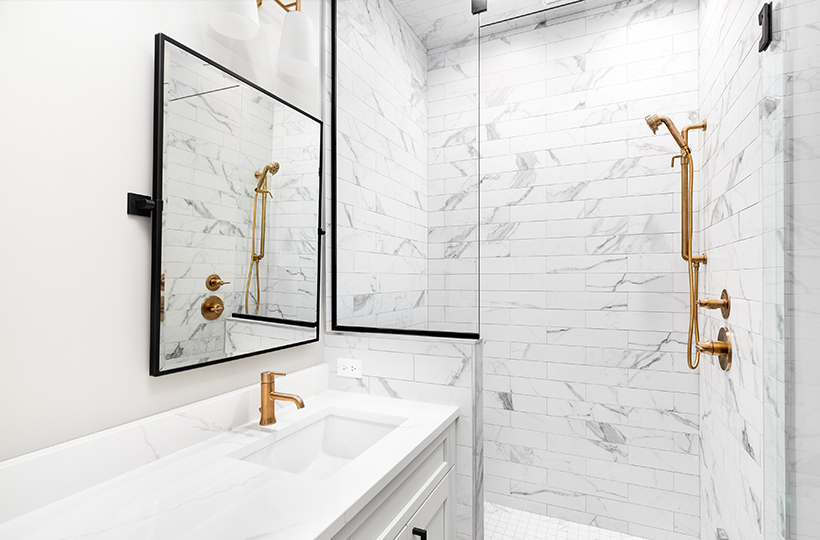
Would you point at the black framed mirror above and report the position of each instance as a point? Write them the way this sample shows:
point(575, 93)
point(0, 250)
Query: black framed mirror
point(237, 224)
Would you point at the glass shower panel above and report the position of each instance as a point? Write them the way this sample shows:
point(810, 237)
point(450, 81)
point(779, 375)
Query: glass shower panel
point(799, 21)
point(790, 115)
point(773, 107)
point(406, 187)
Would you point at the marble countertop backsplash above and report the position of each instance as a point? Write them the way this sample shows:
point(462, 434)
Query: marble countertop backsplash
point(200, 491)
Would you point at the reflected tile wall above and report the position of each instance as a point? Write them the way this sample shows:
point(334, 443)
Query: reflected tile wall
point(244, 336)
point(591, 414)
point(206, 155)
point(291, 284)
point(214, 142)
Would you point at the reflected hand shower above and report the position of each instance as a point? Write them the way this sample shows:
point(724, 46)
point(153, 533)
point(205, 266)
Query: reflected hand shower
point(261, 189)
point(687, 190)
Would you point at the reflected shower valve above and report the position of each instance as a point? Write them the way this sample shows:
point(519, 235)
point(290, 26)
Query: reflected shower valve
point(214, 282)
point(212, 308)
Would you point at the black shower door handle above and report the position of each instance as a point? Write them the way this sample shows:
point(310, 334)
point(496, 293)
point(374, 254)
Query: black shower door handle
point(421, 533)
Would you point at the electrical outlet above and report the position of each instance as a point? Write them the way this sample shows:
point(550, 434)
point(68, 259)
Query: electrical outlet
point(349, 367)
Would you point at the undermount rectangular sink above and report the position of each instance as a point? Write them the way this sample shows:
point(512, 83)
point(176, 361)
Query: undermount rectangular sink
point(321, 445)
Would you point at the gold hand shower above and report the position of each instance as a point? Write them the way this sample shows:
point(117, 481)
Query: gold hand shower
point(693, 261)
point(261, 189)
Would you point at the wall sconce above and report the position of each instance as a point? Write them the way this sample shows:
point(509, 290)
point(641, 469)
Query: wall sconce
point(298, 49)
point(236, 19)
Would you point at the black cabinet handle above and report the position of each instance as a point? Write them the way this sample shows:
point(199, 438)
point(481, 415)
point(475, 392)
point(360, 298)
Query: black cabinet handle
point(421, 533)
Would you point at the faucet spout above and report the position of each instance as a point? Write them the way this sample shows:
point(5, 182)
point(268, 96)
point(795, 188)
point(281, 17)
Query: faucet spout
point(293, 398)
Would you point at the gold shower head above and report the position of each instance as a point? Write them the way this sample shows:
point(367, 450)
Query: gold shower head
point(272, 168)
point(654, 122)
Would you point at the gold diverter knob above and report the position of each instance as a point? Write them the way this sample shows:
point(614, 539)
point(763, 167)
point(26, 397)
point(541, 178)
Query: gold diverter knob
point(212, 308)
point(722, 348)
point(214, 282)
point(724, 304)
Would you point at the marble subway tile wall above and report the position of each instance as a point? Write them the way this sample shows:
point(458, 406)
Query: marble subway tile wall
point(453, 246)
point(737, 192)
point(434, 370)
point(591, 414)
point(382, 168)
point(430, 370)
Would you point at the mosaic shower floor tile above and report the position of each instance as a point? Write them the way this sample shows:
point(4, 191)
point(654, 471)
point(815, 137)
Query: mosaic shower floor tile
point(502, 523)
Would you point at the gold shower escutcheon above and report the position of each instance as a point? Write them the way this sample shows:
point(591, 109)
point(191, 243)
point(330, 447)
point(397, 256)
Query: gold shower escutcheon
point(724, 304)
point(722, 348)
point(214, 282)
point(212, 308)
point(261, 189)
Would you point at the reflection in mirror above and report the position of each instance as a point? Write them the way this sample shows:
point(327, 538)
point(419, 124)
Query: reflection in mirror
point(239, 231)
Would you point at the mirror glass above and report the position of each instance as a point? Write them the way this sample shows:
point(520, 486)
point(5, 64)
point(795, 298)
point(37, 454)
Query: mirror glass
point(239, 247)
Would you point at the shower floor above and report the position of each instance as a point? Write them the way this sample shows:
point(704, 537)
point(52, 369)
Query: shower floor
point(502, 523)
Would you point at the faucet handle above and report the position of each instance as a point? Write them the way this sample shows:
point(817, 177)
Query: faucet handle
point(267, 376)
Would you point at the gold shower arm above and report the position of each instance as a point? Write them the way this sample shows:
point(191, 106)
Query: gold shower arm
point(686, 130)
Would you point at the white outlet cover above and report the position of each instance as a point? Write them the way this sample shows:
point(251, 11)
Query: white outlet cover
point(349, 367)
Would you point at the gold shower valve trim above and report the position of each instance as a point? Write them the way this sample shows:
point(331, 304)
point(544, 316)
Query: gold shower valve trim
point(212, 308)
point(214, 282)
point(724, 304)
point(722, 348)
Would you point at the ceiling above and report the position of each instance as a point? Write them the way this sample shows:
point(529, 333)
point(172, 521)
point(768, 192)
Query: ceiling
point(439, 23)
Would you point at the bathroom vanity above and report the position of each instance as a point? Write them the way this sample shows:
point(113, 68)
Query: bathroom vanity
point(347, 466)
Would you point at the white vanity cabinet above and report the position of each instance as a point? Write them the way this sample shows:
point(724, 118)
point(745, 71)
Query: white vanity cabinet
point(435, 520)
point(421, 498)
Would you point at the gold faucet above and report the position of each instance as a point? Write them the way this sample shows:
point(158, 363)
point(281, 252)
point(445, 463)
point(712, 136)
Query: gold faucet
point(269, 397)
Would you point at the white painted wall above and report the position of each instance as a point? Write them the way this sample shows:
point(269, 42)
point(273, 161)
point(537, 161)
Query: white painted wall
point(75, 136)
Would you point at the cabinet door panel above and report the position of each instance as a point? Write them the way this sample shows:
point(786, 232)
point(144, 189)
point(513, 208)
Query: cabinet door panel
point(436, 516)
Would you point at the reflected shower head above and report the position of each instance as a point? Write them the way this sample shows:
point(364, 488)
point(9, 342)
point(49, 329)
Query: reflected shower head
point(655, 122)
point(272, 168)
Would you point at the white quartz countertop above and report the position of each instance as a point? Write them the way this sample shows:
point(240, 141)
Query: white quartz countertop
point(203, 492)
